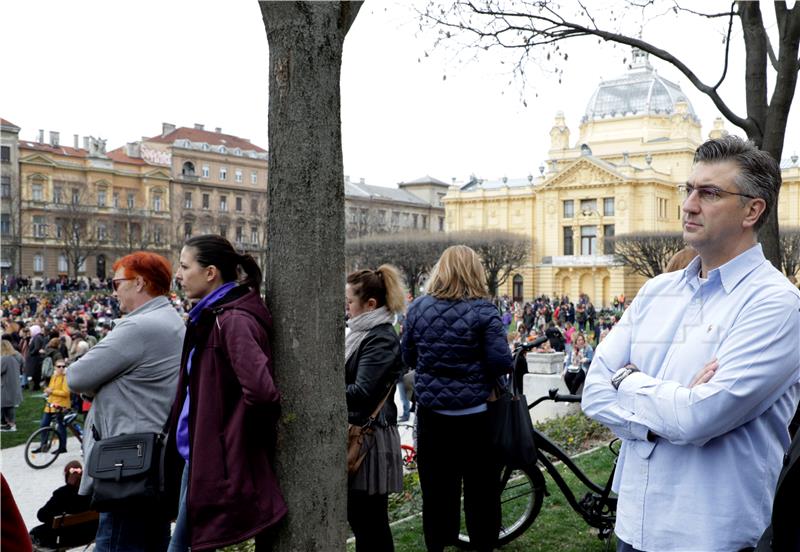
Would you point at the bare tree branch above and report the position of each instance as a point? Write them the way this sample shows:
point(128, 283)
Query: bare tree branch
point(647, 253)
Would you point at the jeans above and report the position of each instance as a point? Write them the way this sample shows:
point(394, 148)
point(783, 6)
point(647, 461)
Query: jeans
point(61, 430)
point(401, 390)
point(132, 532)
point(623, 546)
point(180, 540)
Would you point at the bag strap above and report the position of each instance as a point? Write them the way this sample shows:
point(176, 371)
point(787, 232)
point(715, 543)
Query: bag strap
point(378, 408)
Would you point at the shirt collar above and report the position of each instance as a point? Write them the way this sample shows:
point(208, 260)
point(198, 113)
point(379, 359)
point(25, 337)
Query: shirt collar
point(729, 274)
point(152, 304)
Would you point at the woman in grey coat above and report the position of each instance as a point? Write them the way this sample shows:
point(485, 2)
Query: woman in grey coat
point(11, 365)
point(132, 375)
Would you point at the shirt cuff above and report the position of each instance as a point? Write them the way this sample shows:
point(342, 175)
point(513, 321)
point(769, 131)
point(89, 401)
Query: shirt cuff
point(626, 394)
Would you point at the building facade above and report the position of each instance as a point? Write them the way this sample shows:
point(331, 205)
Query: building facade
point(82, 208)
point(412, 206)
point(10, 244)
point(635, 145)
point(218, 185)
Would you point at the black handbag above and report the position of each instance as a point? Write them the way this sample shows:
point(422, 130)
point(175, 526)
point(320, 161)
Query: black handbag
point(128, 472)
point(512, 438)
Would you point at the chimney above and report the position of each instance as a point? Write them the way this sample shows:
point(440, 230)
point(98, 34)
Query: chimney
point(86, 143)
point(198, 126)
point(218, 130)
point(361, 180)
point(41, 136)
point(75, 141)
point(166, 128)
point(53, 138)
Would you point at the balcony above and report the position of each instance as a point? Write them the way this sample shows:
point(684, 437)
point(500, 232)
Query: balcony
point(188, 178)
point(580, 261)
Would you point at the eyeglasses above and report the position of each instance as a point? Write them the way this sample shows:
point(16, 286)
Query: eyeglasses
point(61, 365)
point(75, 470)
point(115, 282)
point(708, 194)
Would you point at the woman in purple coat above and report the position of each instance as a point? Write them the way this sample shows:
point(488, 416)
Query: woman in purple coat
point(223, 419)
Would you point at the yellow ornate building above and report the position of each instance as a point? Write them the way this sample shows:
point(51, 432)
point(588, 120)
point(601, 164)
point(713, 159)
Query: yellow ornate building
point(635, 146)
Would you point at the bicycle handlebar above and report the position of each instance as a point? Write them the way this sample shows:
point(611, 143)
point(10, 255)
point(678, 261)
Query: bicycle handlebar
point(553, 395)
point(556, 397)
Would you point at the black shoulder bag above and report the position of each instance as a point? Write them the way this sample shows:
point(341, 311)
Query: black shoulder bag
point(128, 471)
point(512, 438)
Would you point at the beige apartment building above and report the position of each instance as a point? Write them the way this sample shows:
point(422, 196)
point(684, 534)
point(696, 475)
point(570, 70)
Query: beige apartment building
point(635, 145)
point(9, 198)
point(82, 207)
point(412, 206)
point(218, 184)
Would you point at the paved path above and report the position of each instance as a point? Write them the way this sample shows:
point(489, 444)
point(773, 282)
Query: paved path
point(32, 488)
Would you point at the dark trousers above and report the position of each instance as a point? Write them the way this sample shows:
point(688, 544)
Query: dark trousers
point(453, 450)
point(132, 532)
point(368, 516)
point(61, 429)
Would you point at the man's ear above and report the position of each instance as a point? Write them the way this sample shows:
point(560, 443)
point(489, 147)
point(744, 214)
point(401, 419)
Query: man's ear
point(755, 210)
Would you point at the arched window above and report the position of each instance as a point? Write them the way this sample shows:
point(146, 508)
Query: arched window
point(517, 288)
point(188, 169)
point(222, 149)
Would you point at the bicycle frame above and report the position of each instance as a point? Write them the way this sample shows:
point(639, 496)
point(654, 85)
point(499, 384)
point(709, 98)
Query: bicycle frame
point(598, 507)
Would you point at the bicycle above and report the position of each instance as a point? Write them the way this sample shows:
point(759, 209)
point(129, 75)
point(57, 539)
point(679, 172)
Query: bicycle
point(523, 489)
point(42, 447)
point(408, 451)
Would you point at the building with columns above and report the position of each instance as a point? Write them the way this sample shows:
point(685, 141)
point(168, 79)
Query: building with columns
point(635, 145)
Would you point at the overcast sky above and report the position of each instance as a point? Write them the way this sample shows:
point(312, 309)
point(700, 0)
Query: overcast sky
point(118, 70)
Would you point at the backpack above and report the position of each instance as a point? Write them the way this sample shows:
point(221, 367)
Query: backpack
point(47, 367)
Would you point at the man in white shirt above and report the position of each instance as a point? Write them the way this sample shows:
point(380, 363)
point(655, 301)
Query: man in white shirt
point(700, 376)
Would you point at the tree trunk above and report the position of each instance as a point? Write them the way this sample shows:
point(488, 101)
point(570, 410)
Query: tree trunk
point(305, 265)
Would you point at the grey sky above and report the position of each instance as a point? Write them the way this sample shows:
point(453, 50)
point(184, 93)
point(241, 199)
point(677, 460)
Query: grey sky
point(117, 70)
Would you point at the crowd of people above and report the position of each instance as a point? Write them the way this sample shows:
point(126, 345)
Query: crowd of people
point(700, 395)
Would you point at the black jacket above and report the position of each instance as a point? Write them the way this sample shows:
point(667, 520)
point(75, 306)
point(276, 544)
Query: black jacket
point(369, 374)
point(783, 535)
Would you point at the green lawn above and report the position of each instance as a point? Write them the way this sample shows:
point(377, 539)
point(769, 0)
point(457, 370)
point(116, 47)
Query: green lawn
point(29, 414)
point(557, 528)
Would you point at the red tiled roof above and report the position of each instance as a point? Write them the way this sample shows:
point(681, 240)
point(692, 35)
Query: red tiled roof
point(58, 150)
point(7, 122)
point(120, 156)
point(211, 138)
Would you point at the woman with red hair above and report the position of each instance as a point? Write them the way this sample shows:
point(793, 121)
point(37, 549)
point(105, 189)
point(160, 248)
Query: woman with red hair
point(132, 374)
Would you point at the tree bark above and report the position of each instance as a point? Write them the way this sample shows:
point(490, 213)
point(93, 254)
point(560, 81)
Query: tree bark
point(305, 265)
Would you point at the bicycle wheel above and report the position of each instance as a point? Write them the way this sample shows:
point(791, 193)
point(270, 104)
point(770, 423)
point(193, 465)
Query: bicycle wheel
point(38, 456)
point(520, 502)
point(409, 457)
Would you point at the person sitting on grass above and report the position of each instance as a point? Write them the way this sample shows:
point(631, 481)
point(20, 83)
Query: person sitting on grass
point(65, 500)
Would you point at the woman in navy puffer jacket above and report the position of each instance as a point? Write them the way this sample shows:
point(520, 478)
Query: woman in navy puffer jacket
point(456, 341)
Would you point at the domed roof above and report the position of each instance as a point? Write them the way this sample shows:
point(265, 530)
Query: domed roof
point(640, 91)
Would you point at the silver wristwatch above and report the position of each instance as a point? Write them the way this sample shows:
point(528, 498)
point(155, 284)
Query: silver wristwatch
point(622, 373)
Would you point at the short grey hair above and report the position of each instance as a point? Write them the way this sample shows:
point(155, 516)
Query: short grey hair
point(759, 173)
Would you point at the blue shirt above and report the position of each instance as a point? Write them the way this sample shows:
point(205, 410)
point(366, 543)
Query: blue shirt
point(707, 481)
